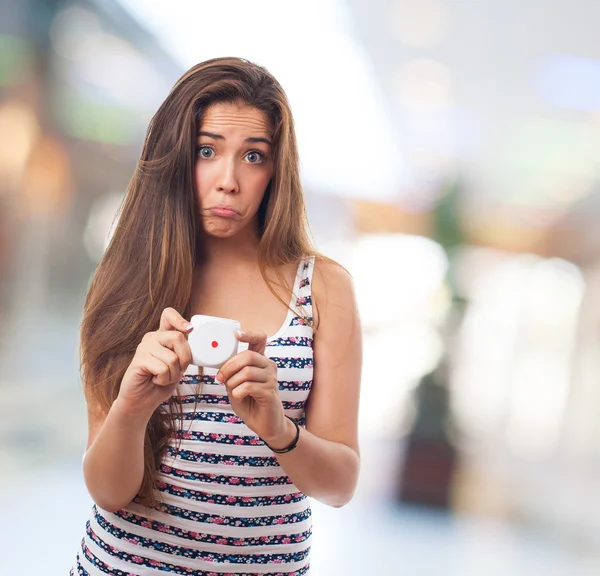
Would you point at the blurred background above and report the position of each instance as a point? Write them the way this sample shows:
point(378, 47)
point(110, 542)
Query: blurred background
point(451, 160)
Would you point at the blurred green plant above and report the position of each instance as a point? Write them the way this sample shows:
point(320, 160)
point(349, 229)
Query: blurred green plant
point(16, 57)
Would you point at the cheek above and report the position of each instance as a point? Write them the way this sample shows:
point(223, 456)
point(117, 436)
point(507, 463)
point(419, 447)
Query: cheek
point(259, 183)
point(260, 189)
point(202, 179)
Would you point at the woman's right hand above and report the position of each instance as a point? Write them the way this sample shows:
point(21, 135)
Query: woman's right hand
point(158, 365)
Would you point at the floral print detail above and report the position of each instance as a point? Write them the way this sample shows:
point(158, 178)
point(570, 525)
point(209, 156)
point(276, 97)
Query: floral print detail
point(288, 362)
point(195, 379)
point(226, 459)
point(226, 480)
point(231, 439)
point(104, 568)
point(176, 569)
point(206, 416)
point(205, 399)
point(80, 570)
point(304, 301)
point(143, 522)
point(293, 405)
point(213, 399)
point(295, 385)
point(226, 417)
point(230, 500)
point(186, 571)
point(292, 341)
point(187, 552)
point(247, 522)
point(304, 283)
point(298, 321)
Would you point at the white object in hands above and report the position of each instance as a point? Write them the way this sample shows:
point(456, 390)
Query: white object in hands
point(213, 340)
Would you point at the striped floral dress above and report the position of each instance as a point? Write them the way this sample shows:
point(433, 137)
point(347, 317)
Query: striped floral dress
point(229, 507)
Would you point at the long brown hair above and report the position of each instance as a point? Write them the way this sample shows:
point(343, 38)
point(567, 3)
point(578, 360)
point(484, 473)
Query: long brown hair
point(157, 242)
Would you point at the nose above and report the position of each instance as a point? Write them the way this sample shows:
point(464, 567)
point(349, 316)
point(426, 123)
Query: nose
point(227, 181)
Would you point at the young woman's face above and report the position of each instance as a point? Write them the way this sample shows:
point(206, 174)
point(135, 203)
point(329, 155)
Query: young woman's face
point(234, 165)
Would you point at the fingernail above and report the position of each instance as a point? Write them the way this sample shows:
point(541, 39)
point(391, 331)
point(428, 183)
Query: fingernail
point(188, 326)
point(240, 333)
point(219, 376)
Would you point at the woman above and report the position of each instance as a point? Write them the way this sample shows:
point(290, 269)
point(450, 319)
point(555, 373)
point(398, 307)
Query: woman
point(202, 471)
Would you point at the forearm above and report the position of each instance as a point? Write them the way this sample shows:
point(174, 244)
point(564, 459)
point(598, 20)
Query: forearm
point(322, 469)
point(113, 466)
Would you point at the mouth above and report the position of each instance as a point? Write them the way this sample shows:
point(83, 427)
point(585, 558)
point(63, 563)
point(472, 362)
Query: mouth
point(223, 211)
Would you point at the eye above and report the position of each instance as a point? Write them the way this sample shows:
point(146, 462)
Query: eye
point(254, 157)
point(204, 152)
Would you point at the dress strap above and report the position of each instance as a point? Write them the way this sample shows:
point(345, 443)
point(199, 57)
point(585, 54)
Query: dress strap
point(303, 291)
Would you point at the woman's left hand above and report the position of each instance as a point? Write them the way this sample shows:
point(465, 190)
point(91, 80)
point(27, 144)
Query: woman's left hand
point(251, 381)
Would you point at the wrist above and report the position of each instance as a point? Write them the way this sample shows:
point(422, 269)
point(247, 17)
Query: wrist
point(285, 438)
point(123, 412)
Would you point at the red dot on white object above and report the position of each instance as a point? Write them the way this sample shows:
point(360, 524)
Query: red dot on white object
point(214, 344)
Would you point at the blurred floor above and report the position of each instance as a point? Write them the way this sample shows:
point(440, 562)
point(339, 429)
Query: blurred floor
point(44, 503)
point(44, 511)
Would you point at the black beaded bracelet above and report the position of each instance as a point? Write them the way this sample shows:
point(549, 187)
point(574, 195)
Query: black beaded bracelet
point(293, 443)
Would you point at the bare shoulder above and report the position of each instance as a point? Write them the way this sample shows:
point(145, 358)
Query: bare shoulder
point(332, 289)
point(328, 270)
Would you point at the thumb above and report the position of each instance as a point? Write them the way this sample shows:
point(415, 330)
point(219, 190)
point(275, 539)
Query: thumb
point(257, 341)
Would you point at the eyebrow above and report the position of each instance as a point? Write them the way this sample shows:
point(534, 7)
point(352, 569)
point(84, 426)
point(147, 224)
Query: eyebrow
point(251, 139)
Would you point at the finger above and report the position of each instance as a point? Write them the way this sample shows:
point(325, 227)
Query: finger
point(255, 389)
point(161, 375)
point(170, 319)
point(235, 364)
point(246, 374)
point(170, 359)
point(177, 342)
point(257, 341)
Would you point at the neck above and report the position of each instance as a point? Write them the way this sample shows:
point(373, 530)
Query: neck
point(230, 251)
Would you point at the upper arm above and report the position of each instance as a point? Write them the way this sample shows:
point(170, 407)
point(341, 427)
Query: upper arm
point(332, 407)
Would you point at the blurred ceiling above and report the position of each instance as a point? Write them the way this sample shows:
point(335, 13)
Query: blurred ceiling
point(507, 93)
point(395, 101)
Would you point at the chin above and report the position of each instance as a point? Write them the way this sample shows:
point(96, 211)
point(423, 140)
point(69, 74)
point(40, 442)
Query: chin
point(221, 232)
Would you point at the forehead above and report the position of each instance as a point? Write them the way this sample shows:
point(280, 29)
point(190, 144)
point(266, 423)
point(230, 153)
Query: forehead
point(229, 118)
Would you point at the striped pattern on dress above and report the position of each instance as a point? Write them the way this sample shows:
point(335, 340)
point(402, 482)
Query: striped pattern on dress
point(229, 507)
